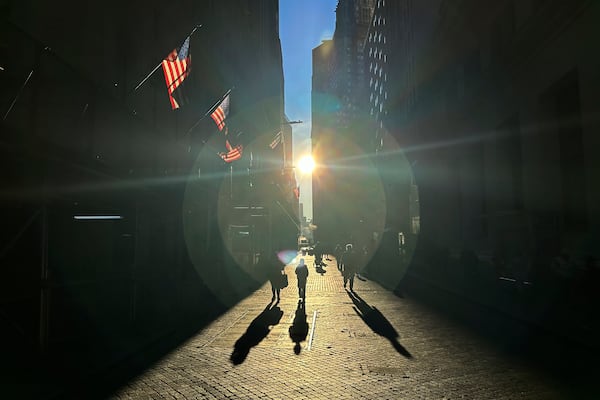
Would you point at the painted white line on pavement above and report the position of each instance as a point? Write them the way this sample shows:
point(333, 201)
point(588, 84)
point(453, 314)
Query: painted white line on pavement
point(312, 331)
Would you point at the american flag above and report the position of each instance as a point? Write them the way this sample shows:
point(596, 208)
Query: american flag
point(220, 113)
point(233, 152)
point(176, 67)
point(276, 141)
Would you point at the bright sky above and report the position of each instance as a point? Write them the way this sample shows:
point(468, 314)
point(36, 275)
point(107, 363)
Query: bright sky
point(302, 26)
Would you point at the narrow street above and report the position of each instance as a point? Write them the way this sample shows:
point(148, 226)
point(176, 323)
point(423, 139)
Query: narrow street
point(371, 345)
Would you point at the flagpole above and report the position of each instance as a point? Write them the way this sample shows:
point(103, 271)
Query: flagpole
point(147, 77)
point(210, 110)
point(160, 63)
point(17, 96)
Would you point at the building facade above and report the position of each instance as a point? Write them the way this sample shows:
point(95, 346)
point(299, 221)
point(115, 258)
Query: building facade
point(505, 96)
point(338, 130)
point(119, 211)
point(485, 115)
point(397, 34)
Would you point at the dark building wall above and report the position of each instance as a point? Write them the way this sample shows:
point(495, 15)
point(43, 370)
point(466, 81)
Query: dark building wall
point(492, 107)
point(324, 105)
point(79, 140)
point(504, 102)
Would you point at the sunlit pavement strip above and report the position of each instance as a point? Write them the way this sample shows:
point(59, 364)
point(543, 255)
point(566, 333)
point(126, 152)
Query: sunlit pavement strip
point(342, 357)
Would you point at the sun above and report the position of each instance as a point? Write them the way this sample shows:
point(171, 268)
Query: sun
point(306, 164)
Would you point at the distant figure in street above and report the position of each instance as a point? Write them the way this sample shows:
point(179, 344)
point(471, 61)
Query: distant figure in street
point(337, 253)
point(302, 274)
point(349, 266)
point(327, 251)
point(274, 268)
point(318, 251)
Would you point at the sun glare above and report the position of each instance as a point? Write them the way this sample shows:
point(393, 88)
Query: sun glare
point(306, 164)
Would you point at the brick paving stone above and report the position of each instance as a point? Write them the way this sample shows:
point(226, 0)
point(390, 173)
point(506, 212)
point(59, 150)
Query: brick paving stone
point(347, 359)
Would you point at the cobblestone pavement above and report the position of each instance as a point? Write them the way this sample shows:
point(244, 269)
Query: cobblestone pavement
point(374, 345)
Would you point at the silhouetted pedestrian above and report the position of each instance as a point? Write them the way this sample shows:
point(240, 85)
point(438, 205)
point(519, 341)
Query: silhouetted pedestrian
point(337, 253)
point(275, 268)
point(318, 251)
point(302, 274)
point(349, 265)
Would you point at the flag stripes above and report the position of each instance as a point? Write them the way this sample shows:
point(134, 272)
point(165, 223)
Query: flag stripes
point(176, 67)
point(233, 153)
point(220, 113)
point(277, 140)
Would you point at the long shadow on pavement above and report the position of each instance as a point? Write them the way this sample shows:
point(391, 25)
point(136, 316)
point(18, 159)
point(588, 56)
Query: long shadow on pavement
point(258, 329)
point(299, 328)
point(377, 322)
point(104, 382)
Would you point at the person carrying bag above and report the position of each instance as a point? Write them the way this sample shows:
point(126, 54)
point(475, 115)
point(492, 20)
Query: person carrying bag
point(283, 280)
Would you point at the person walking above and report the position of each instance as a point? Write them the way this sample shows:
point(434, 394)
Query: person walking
point(337, 253)
point(274, 272)
point(349, 266)
point(302, 274)
point(318, 251)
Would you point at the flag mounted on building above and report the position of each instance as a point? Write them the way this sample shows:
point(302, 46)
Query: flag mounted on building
point(278, 138)
point(176, 67)
point(219, 115)
point(233, 152)
point(297, 192)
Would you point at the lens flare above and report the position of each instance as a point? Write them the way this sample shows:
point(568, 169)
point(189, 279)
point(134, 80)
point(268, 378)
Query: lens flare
point(367, 199)
point(306, 164)
point(287, 256)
